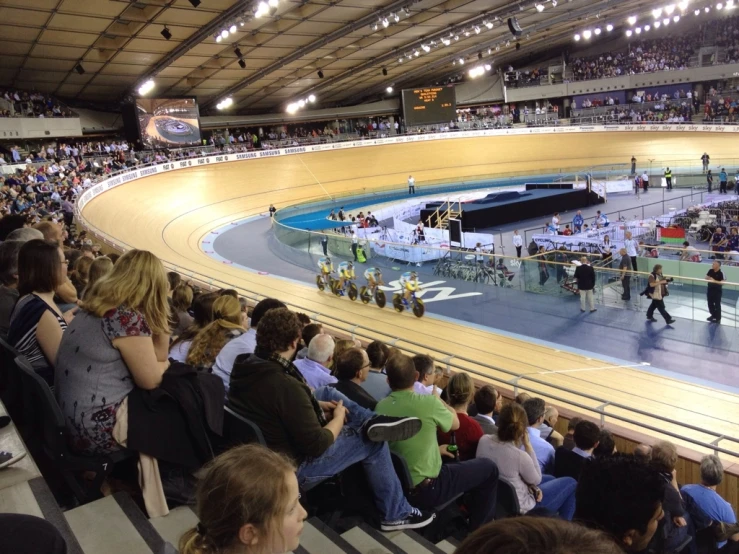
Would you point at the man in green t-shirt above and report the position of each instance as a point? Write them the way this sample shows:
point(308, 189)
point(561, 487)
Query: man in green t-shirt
point(433, 483)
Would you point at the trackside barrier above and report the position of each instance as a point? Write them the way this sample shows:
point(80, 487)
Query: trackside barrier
point(352, 329)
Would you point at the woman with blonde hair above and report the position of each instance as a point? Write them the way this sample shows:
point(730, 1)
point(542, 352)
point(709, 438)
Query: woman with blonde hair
point(80, 274)
point(460, 391)
point(521, 468)
point(248, 502)
point(181, 301)
point(99, 268)
point(226, 325)
point(118, 341)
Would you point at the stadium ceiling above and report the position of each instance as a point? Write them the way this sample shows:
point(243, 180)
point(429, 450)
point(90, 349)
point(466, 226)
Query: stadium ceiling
point(101, 50)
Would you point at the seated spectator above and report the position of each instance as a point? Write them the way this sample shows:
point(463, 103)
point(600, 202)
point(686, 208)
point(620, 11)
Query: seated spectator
point(425, 384)
point(181, 301)
point(569, 439)
point(245, 344)
point(80, 274)
point(546, 429)
point(9, 250)
point(248, 495)
point(622, 497)
point(376, 382)
point(65, 291)
point(535, 408)
point(568, 463)
point(202, 309)
point(341, 346)
point(315, 367)
point(225, 327)
point(351, 371)
point(309, 331)
point(521, 467)
point(536, 535)
point(522, 397)
point(323, 431)
point(704, 495)
point(434, 483)
point(116, 342)
point(606, 444)
point(25, 534)
point(643, 453)
point(37, 324)
point(487, 403)
point(459, 391)
point(100, 268)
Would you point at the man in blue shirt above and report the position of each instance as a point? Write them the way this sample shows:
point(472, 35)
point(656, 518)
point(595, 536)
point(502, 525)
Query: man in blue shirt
point(535, 408)
point(705, 495)
point(577, 221)
point(723, 179)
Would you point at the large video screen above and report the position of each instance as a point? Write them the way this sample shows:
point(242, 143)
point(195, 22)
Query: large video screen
point(426, 106)
point(168, 122)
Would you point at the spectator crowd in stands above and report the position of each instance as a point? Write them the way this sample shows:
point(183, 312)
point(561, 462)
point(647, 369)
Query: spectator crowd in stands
point(727, 36)
point(32, 104)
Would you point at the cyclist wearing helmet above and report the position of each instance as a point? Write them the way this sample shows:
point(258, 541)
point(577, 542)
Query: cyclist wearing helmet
point(327, 269)
point(346, 273)
point(374, 278)
point(409, 282)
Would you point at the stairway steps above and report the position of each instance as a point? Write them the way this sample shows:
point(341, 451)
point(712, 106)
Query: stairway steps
point(172, 526)
point(412, 543)
point(318, 538)
point(368, 542)
point(446, 546)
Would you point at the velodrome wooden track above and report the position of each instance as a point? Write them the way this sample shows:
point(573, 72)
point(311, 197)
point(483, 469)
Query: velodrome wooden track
point(168, 214)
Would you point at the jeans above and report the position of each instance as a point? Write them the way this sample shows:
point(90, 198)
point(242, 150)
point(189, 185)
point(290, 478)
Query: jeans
point(587, 296)
point(411, 189)
point(351, 447)
point(714, 304)
point(479, 477)
point(559, 496)
point(658, 305)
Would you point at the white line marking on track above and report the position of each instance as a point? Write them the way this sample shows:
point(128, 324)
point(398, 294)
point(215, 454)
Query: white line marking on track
point(316, 178)
point(642, 364)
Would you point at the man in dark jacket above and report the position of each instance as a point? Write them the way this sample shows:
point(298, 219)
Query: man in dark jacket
point(585, 277)
point(568, 463)
point(323, 431)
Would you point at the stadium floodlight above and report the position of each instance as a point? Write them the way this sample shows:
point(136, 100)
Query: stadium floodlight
point(292, 108)
point(631, 19)
point(666, 21)
point(554, 3)
point(628, 32)
point(707, 9)
point(657, 24)
point(683, 5)
point(647, 27)
point(460, 61)
point(637, 30)
point(586, 34)
point(596, 30)
point(146, 87)
point(697, 12)
point(312, 98)
point(233, 28)
point(477, 30)
point(577, 37)
point(657, 13)
point(395, 17)
point(456, 37)
point(488, 67)
point(301, 103)
point(676, 18)
point(609, 27)
point(218, 38)
point(262, 9)
point(488, 24)
point(416, 53)
point(224, 33)
point(385, 23)
point(669, 9)
point(273, 3)
point(225, 103)
point(719, 6)
point(539, 7)
point(389, 90)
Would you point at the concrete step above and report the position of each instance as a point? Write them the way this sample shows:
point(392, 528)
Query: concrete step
point(318, 538)
point(411, 542)
point(446, 546)
point(172, 526)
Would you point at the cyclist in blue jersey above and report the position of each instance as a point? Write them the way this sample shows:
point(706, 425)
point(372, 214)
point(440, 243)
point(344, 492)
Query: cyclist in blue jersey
point(409, 284)
point(346, 273)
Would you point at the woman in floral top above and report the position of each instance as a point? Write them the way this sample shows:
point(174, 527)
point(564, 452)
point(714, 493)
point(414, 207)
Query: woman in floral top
point(117, 341)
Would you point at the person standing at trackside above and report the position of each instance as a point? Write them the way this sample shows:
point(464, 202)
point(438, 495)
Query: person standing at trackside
point(272, 210)
point(715, 278)
point(577, 222)
point(645, 181)
point(631, 247)
point(411, 185)
point(723, 179)
point(625, 267)
point(706, 159)
point(633, 166)
point(355, 242)
point(585, 277)
point(668, 178)
point(324, 244)
point(555, 223)
point(709, 180)
point(517, 242)
point(657, 290)
point(479, 258)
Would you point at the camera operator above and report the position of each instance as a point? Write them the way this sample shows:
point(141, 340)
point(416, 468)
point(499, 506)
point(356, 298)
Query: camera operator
point(657, 291)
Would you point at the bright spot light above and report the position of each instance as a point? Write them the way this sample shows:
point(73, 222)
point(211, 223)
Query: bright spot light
point(657, 24)
point(301, 103)
point(628, 32)
point(676, 18)
point(669, 9)
point(597, 30)
point(224, 33)
point(637, 30)
point(609, 27)
point(577, 36)
point(539, 7)
point(631, 20)
point(389, 90)
point(292, 108)
point(312, 98)
point(587, 34)
point(232, 29)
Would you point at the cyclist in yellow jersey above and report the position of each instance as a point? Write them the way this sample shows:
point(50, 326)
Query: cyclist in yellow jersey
point(346, 273)
point(409, 282)
point(326, 268)
point(374, 278)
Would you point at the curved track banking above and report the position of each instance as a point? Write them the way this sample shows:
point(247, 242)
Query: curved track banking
point(170, 213)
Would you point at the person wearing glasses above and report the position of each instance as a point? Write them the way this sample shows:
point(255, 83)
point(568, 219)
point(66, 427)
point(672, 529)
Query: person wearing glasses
point(351, 369)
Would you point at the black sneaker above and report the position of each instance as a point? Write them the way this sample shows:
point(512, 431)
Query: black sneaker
point(670, 321)
point(651, 319)
point(415, 520)
point(711, 319)
point(387, 428)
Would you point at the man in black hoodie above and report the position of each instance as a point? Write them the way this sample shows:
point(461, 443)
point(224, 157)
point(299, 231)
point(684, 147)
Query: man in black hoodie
point(323, 431)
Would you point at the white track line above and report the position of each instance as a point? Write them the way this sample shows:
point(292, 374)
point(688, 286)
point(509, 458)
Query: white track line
point(642, 364)
point(316, 178)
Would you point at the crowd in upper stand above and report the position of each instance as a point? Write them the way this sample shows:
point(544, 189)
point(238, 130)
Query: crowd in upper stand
point(727, 36)
point(664, 54)
point(31, 104)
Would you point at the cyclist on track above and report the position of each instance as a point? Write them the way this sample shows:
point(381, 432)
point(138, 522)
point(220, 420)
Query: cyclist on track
point(374, 278)
point(326, 268)
point(409, 283)
point(346, 273)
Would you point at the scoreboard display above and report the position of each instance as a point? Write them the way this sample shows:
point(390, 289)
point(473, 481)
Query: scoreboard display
point(426, 106)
